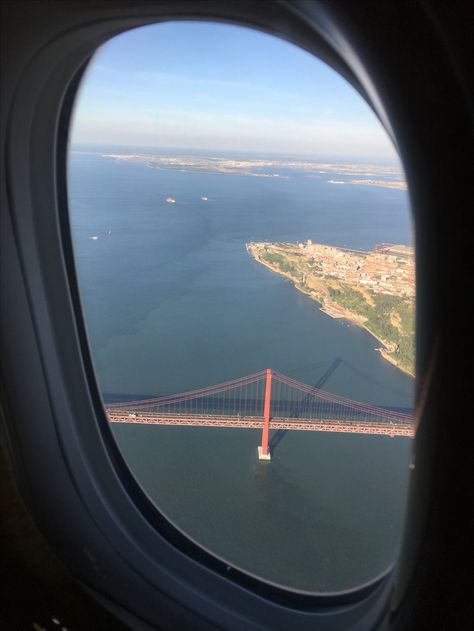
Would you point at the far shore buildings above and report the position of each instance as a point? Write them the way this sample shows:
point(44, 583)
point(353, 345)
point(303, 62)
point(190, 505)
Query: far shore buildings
point(389, 269)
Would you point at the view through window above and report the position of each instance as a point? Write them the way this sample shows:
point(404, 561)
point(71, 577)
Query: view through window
point(243, 245)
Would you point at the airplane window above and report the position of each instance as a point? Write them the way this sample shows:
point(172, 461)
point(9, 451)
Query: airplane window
point(243, 244)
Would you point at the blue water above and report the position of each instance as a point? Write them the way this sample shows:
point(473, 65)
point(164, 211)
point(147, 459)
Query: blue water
point(173, 302)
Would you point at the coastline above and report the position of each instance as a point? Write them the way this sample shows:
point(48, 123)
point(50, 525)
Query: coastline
point(335, 312)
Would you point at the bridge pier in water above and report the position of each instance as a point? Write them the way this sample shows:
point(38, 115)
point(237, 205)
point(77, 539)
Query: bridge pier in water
point(263, 451)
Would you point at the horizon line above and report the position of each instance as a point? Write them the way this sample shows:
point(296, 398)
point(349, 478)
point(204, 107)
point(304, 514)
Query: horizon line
point(255, 152)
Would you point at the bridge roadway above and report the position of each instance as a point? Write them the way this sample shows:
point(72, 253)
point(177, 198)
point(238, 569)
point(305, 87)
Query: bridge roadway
point(375, 428)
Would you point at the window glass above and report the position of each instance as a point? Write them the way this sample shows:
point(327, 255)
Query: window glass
point(243, 245)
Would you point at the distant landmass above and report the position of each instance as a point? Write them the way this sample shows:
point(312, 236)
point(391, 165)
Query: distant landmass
point(402, 186)
point(375, 290)
point(354, 174)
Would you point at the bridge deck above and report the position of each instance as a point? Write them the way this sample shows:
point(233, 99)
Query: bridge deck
point(256, 422)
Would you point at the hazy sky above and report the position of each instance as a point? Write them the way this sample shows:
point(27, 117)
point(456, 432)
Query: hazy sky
point(214, 86)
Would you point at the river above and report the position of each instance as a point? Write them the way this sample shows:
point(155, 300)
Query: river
point(173, 302)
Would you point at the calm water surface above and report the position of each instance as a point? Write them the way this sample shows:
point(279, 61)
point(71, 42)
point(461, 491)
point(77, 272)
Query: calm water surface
point(173, 302)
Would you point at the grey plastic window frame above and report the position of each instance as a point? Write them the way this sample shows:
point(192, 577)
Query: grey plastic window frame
point(107, 532)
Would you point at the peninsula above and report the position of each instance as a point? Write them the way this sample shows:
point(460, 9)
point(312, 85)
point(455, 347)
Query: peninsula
point(374, 290)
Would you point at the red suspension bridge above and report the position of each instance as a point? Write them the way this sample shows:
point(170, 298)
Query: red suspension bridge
point(260, 401)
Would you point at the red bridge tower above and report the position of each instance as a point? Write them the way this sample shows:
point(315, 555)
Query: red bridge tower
point(263, 452)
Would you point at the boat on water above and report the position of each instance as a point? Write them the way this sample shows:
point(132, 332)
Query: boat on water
point(94, 237)
point(170, 200)
point(204, 199)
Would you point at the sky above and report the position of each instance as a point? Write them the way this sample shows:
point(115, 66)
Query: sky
point(202, 85)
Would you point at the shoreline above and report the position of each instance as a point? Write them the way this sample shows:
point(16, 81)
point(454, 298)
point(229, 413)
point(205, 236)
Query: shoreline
point(344, 314)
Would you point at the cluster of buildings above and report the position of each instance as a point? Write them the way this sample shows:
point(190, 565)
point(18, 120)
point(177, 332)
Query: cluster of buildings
point(389, 269)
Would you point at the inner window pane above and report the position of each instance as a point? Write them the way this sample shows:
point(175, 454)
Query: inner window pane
point(243, 245)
